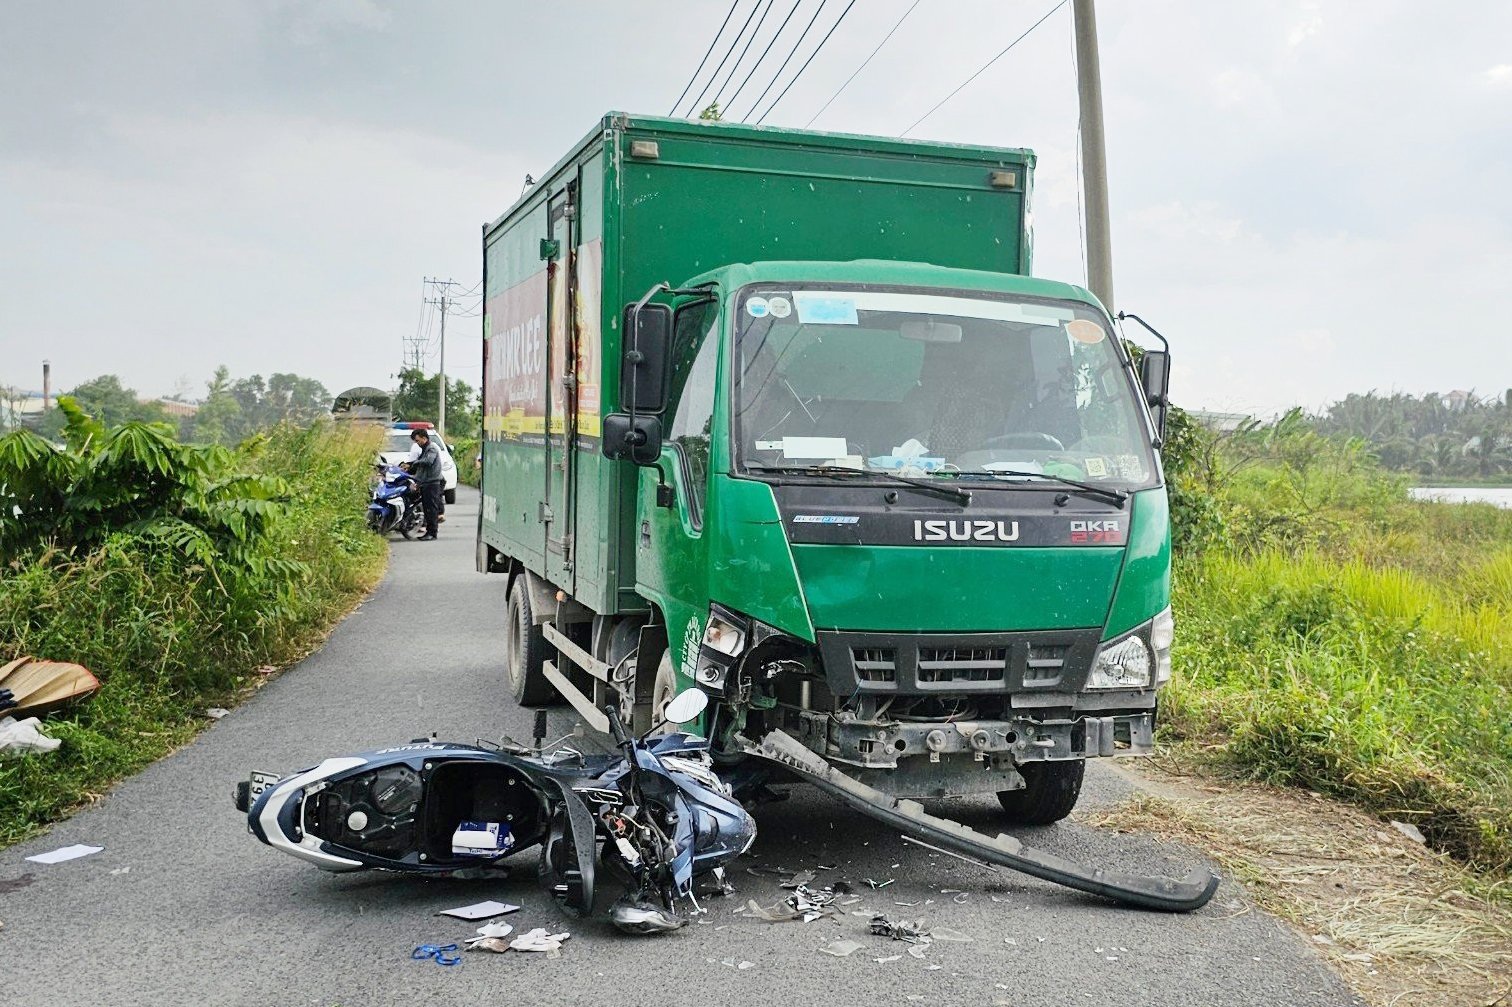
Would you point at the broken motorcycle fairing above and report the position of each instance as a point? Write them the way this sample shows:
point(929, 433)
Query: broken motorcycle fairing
point(661, 813)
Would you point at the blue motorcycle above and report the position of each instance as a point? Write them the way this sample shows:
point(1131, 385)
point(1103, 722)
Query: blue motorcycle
point(395, 505)
point(661, 814)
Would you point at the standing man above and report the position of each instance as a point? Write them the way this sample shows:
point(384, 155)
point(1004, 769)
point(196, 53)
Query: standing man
point(414, 453)
point(427, 472)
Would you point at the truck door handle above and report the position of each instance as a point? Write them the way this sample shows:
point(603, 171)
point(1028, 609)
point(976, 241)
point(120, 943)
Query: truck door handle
point(645, 533)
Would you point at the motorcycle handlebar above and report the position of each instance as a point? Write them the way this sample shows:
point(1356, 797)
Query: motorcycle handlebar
point(616, 726)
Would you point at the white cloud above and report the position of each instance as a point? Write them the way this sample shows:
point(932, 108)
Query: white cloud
point(1499, 76)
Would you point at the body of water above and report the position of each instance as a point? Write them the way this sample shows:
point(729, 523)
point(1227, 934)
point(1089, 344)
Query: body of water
point(1499, 495)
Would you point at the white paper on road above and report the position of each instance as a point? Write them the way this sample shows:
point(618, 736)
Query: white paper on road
point(66, 853)
point(480, 910)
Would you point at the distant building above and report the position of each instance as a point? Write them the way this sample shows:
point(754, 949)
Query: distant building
point(1223, 423)
point(1456, 401)
point(173, 407)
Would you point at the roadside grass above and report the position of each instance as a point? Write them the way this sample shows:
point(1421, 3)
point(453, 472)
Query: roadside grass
point(1400, 923)
point(1334, 635)
point(169, 635)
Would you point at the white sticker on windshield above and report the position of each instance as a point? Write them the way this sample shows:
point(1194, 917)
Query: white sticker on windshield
point(825, 309)
point(813, 447)
point(780, 307)
point(756, 307)
point(1095, 466)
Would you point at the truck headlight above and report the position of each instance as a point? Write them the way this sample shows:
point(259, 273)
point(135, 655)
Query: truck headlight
point(1122, 664)
point(724, 640)
point(1162, 634)
point(723, 636)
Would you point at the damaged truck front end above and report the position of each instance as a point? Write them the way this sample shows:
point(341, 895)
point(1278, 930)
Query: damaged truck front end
point(937, 545)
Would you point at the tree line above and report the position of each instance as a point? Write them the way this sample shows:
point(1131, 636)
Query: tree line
point(1440, 437)
point(233, 409)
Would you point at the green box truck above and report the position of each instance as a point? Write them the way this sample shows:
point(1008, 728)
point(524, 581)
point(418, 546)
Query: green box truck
point(782, 415)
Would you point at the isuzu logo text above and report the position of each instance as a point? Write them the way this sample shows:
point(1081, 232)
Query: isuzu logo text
point(1092, 532)
point(966, 531)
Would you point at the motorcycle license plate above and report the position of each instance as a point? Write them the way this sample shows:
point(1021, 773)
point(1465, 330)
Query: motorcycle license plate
point(258, 782)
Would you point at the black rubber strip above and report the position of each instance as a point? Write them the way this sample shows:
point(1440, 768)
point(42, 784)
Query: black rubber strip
point(910, 818)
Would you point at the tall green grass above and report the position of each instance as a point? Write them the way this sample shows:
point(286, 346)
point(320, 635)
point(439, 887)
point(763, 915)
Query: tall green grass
point(1335, 635)
point(169, 633)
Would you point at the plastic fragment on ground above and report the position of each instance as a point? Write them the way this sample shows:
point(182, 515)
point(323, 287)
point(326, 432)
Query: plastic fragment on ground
point(216, 712)
point(841, 949)
point(479, 910)
point(25, 736)
point(73, 852)
point(1409, 830)
point(947, 934)
point(539, 939)
point(918, 950)
point(889, 958)
point(912, 931)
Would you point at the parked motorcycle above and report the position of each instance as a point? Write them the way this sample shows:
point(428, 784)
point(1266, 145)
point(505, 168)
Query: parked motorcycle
point(660, 812)
point(395, 505)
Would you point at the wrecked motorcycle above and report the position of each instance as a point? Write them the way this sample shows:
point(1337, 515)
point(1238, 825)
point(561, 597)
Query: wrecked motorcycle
point(664, 817)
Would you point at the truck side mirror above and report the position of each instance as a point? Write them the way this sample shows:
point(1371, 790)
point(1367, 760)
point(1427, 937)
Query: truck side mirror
point(1155, 377)
point(643, 367)
point(634, 436)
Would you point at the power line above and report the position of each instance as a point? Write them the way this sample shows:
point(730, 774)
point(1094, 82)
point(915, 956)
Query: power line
point(698, 102)
point(791, 53)
point(712, 43)
point(806, 62)
point(867, 60)
point(983, 70)
point(766, 51)
point(736, 65)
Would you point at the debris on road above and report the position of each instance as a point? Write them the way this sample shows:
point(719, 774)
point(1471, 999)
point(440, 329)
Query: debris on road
point(491, 938)
point(1410, 831)
point(841, 949)
point(216, 712)
point(912, 931)
point(66, 853)
point(804, 903)
point(22, 736)
point(479, 910)
point(539, 939)
point(441, 954)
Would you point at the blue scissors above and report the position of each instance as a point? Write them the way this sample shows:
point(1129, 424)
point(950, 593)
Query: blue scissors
point(437, 953)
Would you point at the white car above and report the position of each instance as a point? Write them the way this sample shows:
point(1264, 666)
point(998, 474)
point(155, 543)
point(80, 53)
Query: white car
point(397, 445)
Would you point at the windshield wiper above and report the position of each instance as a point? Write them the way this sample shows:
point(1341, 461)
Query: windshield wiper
point(1105, 492)
point(954, 492)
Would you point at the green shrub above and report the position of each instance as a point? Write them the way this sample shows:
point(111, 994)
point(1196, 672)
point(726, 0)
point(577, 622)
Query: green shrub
point(172, 592)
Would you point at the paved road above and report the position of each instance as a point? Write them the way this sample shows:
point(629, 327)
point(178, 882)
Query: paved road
point(183, 907)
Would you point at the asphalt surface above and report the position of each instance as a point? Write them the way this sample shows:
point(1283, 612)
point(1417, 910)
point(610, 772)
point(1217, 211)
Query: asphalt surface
point(184, 907)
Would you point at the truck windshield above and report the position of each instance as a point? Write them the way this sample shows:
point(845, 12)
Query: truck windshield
point(943, 383)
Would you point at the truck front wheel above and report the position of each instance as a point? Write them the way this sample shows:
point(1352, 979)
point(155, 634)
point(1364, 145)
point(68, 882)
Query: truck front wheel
point(1050, 792)
point(525, 650)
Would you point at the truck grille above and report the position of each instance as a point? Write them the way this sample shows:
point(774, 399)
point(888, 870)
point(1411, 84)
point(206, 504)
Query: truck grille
point(962, 664)
point(1054, 660)
point(1046, 663)
point(875, 664)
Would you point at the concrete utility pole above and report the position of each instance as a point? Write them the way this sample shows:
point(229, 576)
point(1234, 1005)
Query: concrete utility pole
point(443, 302)
point(46, 386)
point(1094, 155)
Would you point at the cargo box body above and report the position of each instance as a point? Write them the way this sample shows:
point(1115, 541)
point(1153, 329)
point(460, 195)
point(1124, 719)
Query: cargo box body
point(642, 201)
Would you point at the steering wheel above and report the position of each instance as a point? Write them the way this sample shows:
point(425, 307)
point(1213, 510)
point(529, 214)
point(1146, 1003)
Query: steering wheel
point(1025, 439)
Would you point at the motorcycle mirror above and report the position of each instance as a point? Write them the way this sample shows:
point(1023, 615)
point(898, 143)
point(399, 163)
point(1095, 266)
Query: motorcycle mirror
point(685, 706)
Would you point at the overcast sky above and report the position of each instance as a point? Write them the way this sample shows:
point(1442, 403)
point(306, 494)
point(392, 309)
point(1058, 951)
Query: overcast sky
point(1309, 197)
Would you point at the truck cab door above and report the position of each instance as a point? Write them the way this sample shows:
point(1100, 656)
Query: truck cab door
point(672, 549)
point(558, 517)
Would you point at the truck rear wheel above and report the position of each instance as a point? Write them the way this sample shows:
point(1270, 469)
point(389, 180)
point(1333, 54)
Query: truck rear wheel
point(1050, 792)
point(525, 650)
